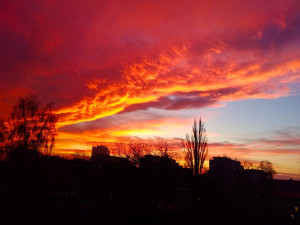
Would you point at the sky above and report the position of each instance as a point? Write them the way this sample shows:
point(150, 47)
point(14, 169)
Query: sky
point(146, 69)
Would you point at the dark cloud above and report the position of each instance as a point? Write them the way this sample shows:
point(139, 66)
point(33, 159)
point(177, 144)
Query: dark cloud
point(174, 102)
point(288, 132)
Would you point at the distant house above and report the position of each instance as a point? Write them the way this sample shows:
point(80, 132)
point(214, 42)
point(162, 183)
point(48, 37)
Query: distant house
point(226, 172)
point(152, 162)
point(225, 166)
point(99, 153)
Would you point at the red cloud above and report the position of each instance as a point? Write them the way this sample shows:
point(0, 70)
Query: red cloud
point(111, 58)
point(144, 51)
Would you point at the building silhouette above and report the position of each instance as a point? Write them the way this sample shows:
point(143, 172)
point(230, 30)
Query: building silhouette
point(226, 172)
point(100, 153)
point(156, 162)
point(100, 150)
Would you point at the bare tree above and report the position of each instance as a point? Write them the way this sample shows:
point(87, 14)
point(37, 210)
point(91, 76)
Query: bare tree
point(267, 167)
point(163, 149)
point(3, 138)
point(136, 150)
point(248, 165)
point(31, 125)
point(80, 156)
point(119, 147)
point(196, 148)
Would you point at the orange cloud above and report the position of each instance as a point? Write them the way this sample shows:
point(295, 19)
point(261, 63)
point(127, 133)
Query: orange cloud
point(179, 71)
point(123, 60)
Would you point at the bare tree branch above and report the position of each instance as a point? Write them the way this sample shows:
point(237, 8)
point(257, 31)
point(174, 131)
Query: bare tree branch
point(196, 148)
point(31, 125)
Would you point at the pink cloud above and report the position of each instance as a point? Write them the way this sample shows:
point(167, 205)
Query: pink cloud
point(102, 60)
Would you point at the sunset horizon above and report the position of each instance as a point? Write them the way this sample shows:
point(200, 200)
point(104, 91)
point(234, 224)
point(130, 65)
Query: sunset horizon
point(145, 70)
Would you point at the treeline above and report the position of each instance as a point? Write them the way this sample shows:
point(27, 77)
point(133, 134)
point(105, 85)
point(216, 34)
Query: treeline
point(134, 150)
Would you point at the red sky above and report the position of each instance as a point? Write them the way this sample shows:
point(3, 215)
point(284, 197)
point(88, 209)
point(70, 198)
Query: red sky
point(148, 68)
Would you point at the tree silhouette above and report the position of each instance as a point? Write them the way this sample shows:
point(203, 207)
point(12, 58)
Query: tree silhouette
point(196, 148)
point(31, 126)
point(248, 165)
point(3, 137)
point(119, 147)
point(163, 150)
point(135, 152)
point(267, 167)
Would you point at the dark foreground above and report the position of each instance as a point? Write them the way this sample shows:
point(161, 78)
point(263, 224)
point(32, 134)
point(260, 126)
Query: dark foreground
point(51, 190)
